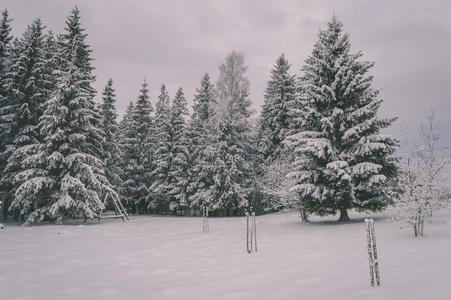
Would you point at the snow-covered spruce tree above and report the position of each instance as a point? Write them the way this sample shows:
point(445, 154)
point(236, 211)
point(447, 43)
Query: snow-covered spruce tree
point(135, 144)
point(143, 111)
point(131, 172)
point(163, 153)
point(229, 165)
point(51, 60)
point(342, 159)
point(178, 178)
point(28, 84)
point(201, 134)
point(6, 112)
point(65, 175)
point(204, 100)
point(6, 107)
point(422, 181)
point(275, 120)
point(112, 157)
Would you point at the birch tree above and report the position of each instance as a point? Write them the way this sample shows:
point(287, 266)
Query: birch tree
point(422, 181)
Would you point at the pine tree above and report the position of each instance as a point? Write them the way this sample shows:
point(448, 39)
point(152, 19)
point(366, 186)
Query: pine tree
point(178, 178)
point(112, 157)
point(204, 100)
point(66, 176)
point(128, 145)
point(144, 122)
point(201, 136)
point(163, 151)
point(51, 60)
point(6, 107)
point(143, 110)
point(342, 160)
point(137, 151)
point(275, 118)
point(229, 153)
point(28, 84)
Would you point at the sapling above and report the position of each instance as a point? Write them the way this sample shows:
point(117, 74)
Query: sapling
point(421, 178)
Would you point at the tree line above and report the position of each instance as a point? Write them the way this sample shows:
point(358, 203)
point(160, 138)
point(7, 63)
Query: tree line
point(317, 145)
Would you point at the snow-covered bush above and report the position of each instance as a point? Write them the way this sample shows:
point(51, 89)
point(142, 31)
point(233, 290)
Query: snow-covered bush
point(277, 186)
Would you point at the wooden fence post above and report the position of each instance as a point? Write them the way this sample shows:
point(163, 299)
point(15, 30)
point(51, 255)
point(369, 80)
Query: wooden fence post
point(372, 252)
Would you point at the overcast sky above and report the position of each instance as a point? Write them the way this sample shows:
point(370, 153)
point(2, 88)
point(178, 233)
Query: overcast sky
point(175, 42)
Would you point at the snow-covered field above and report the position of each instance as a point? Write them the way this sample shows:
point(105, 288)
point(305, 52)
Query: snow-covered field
point(154, 257)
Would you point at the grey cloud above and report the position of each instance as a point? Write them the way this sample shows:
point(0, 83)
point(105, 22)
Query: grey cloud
point(176, 41)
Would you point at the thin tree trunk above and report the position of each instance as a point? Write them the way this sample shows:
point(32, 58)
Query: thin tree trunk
point(421, 226)
point(255, 231)
point(251, 233)
point(5, 208)
point(247, 233)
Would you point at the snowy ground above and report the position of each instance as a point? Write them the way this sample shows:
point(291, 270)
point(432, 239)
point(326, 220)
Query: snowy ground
point(170, 258)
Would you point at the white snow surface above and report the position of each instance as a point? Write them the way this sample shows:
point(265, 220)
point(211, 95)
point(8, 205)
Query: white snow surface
point(154, 257)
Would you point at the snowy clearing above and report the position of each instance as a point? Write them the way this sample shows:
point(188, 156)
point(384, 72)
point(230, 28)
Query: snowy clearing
point(154, 257)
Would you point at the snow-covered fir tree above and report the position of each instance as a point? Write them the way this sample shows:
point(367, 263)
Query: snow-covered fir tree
point(135, 144)
point(29, 83)
point(342, 159)
point(275, 119)
point(51, 60)
point(6, 113)
point(201, 136)
point(229, 165)
point(6, 107)
point(111, 152)
point(144, 131)
point(422, 179)
point(204, 100)
point(178, 178)
point(65, 176)
point(130, 171)
point(163, 152)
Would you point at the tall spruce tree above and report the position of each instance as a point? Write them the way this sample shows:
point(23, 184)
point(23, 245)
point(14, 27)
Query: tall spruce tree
point(136, 151)
point(29, 84)
point(342, 159)
point(6, 107)
point(6, 113)
point(112, 157)
point(275, 119)
point(201, 137)
point(179, 173)
point(65, 175)
point(163, 152)
point(51, 60)
point(131, 172)
point(144, 131)
point(204, 100)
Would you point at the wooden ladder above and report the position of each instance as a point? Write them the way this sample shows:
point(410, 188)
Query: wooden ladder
point(120, 211)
